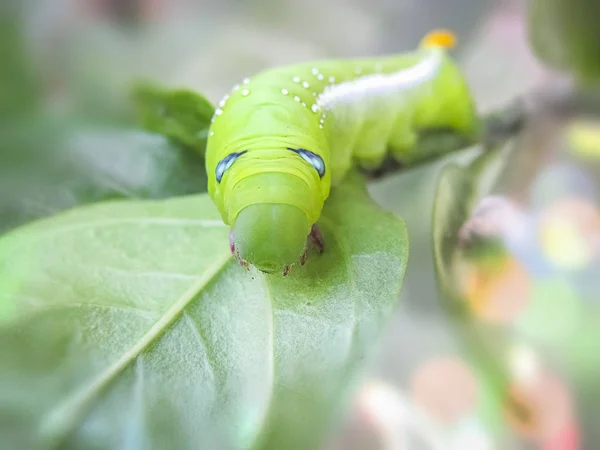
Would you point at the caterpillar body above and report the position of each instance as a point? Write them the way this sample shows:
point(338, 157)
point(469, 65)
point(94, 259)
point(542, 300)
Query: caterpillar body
point(279, 141)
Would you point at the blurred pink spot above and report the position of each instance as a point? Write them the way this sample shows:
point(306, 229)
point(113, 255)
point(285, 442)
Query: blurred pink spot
point(566, 439)
point(445, 388)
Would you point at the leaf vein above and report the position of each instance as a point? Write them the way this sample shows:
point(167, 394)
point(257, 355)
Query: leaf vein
point(151, 273)
point(59, 422)
point(58, 306)
point(203, 342)
point(346, 255)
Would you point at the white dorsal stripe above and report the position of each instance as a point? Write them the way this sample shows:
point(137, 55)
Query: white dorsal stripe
point(380, 83)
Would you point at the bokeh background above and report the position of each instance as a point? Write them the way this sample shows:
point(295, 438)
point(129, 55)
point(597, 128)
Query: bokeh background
point(87, 50)
point(86, 53)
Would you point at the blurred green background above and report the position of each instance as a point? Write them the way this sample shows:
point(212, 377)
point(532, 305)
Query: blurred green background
point(87, 49)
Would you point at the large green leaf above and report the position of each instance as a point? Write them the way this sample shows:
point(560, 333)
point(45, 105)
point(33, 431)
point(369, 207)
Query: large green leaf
point(48, 166)
point(128, 325)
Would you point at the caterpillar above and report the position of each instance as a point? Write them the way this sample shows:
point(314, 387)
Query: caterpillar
point(278, 142)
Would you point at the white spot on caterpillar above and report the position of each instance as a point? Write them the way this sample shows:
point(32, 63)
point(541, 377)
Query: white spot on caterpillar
point(245, 92)
point(284, 91)
point(235, 88)
point(332, 79)
point(314, 108)
point(320, 76)
point(321, 126)
point(246, 80)
point(305, 84)
point(304, 104)
point(296, 79)
point(297, 98)
point(223, 101)
point(212, 133)
point(315, 71)
point(218, 111)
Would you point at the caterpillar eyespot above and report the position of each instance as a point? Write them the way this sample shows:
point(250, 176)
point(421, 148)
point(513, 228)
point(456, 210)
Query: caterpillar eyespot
point(313, 159)
point(374, 107)
point(226, 163)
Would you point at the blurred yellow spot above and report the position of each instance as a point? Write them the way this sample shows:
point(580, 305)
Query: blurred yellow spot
point(563, 245)
point(497, 292)
point(439, 38)
point(445, 388)
point(584, 138)
point(570, 233)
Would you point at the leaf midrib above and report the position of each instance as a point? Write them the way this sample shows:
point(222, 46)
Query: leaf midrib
point(347, 257)
point(262, 439)
point(61, 420)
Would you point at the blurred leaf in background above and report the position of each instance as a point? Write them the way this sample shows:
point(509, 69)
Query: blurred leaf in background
point(181, 115)
point(49, 166)
point(566, 36)
point(519, 261)
point(53, 159)
point(19, 86)
point(130, 324)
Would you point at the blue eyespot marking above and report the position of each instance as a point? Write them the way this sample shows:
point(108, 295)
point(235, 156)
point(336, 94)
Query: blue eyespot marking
point(226, 163)
point(313, 159)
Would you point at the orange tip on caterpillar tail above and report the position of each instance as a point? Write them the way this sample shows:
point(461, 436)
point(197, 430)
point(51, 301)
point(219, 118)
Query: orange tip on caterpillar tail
point(439, 38)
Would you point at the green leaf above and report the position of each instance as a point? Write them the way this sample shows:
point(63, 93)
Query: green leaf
point(49, 166)
point(459, 188)
point(20, 86)
point(453, 203)
point(565, 35)
point(179, 114)
point(128, 325)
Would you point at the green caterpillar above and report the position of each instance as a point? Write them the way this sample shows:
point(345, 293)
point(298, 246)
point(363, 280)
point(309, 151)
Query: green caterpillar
point(279, 141)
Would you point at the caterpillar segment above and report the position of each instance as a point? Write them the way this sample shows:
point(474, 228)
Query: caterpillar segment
point(278, 142)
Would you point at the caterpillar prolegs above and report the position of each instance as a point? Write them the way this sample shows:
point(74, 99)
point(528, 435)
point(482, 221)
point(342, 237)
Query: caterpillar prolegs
point(279, 141)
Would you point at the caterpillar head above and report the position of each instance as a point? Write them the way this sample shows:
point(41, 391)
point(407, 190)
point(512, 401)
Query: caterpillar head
point(270, 236)
point(271, 200)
